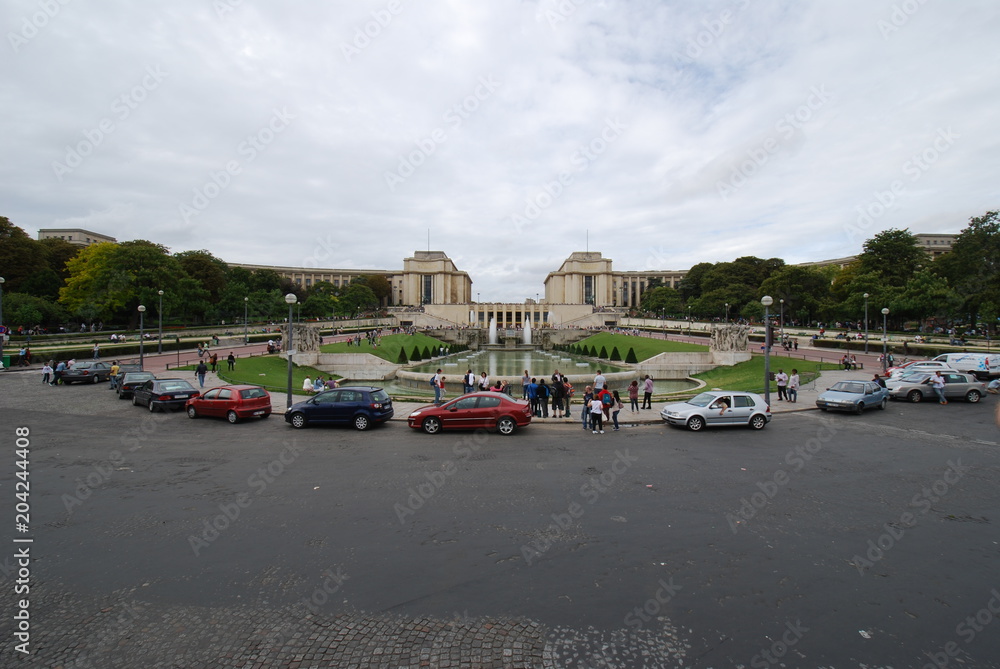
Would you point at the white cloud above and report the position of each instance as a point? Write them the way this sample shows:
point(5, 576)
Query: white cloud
point(699, 89)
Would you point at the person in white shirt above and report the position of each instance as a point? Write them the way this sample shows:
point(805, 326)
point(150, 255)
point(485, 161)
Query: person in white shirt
point(782, 379)
point(793, 386)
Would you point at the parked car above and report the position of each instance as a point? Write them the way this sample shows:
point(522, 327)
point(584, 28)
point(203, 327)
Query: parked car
point(128, 383)
point(484, 410)
point(920, 366)
point(915, 388)
point(980, 365)
point(853, 396)
point(87, 371)
point(360, 406)
point(126, 367)
point(163, 394)
point(719, 407)
point(231, 402)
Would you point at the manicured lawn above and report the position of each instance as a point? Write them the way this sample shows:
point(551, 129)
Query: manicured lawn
point(388, 348)
point(644, 346)
point(269, 371)
point(749, 375)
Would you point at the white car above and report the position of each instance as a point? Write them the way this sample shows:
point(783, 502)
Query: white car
point(719, 407)
point(921, 366)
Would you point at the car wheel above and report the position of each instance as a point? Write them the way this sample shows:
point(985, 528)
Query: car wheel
point(823, 409)
point(267, 415)
point(232, 417)
point(298, 420)
point(758, 422)
point(192, 412)
point(431, 425)
point(884, 403)
point(972, 396)
point(96, 379)
point(151, 406)
point(859, 408)
point(361, 422)
point(135, 401)
point(915, 396)
point(506, 425)
point(695, 423)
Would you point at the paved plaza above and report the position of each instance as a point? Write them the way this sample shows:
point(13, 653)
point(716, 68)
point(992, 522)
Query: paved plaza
point(822, 540)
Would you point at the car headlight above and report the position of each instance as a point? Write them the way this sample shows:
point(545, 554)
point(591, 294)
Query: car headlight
point(415, 413)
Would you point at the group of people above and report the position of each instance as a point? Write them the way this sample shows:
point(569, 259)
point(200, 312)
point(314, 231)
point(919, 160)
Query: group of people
point(319, 385)
point(788, 386)
point(52, 371)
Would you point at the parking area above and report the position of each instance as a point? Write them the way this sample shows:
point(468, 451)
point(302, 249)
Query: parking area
point(824, 539)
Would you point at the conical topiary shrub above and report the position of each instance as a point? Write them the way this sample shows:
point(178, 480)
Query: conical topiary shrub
point(427, 353)
point(604, 353)
point(630, 356)
point(416, 354)
point(615, 355)
point(401, 358)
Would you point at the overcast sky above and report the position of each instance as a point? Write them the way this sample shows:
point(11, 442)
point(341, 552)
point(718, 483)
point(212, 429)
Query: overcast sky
point(337, 134)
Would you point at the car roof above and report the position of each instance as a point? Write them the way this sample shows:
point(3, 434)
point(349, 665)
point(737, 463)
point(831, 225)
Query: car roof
point(369, 388)
point(244, 386)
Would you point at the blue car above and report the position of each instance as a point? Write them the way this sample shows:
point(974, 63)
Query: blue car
point(853, 396)
point(360, 406)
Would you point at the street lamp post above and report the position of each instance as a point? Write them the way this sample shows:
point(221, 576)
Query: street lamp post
point(781, 321)
point(727, 312)
point(885, 361)
point(246, 332)
point(142, 313)
point(767, 301)
point(866, 323)
point(3, 335)
point(689, 320)
point(290, 299)
point(159, 315)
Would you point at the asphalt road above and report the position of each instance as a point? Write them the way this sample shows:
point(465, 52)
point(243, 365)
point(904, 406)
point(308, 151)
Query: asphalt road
point(822, 540)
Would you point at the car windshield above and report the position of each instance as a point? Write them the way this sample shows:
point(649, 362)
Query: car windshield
point(849, 387)
point(252, 393)
point(167, 386)
point(138, 376)
point(380, 396)
point(915, 377)
point(702, 400)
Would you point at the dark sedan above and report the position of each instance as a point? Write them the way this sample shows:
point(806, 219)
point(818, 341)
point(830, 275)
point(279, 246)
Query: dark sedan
point(163, 394)
point(360, 406)
point(485, 410)
point(87, 371)
point(128, 382)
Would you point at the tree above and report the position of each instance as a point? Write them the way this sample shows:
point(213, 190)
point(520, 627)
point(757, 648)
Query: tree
point(209, 271)
point(662, 299)
point(615, 355)
point(58, 252)
point(380, 286)
point(804, 289)
point(690, 286)
point(30, 310)
point(20, 255)
point(630, 357)
point(894, 256)
point(973, 267)
point(356, 298)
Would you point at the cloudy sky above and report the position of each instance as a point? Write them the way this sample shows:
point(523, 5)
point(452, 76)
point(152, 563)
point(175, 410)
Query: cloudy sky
point(337, 134)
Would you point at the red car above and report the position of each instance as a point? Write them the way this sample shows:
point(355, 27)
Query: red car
point(231, 402)
point(487, 410)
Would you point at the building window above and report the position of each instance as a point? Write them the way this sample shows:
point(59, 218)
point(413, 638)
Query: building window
point(588, 290)
point(427, 295)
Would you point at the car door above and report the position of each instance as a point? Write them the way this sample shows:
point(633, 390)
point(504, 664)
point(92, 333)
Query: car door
point(487, 412)
point(742, 409)
point(208, 405)
point(718, 416)
point(143, 392)
point(461, 413)
point(345, 405)
point(323, 407)
point(955, 385)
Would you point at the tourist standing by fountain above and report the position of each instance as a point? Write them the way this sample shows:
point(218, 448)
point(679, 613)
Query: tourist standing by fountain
point(647, 393)
point(468, 382)
point(585, 414)
point(633, 395)
point(532, 391)
point(484, 382)
point(525, 380)
point(436, 383)
point(558, 393)
point(542, 391)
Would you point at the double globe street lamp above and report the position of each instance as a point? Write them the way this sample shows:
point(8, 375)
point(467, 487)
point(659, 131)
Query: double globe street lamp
point(290, 299)
point(767, 301)
point(885, 358)
point(142, 313)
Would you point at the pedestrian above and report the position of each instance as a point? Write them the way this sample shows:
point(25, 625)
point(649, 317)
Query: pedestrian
point(113, 379)
point(57, 374)
point(468, 382)
point(633, 395)
point(782, 379)
point(214, 359)
point(793, 386)
point(937, 382)
point(558, 393)
point(532, 391)
point(46, 373)
point(97, 351)
point(440, 386)
point(879, 380)
point(200, 372)
point(599, 382)
point(588, 395)
point(436, 384)
point(525, 380)
point(616, 408)
point(597, 415)
point(231, 361)
point(542, 391)
point(795, 344)
point(484, 381)
point(647, 393)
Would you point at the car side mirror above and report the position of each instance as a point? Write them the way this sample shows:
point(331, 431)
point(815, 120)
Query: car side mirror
point(453, 409)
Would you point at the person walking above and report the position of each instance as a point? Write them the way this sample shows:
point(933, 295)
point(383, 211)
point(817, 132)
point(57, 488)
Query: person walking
point(113, 379)
point(47, 373)
point(97, 351)
point(647, 393)
point(616, 408)
point(633, 395)
point(597, 415)
point(214, 360)
point(793, 386)
point(231, 361)
point(468, 382)
point(200, 371)
point(436, 383)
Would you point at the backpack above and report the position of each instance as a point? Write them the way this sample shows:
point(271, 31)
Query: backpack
point(606, 399)
point(433, 381)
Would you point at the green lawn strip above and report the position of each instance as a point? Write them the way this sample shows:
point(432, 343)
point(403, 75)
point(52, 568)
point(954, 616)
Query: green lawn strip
point(749, 375)
point(389, 345)
point(268, 371)
point(645, 347)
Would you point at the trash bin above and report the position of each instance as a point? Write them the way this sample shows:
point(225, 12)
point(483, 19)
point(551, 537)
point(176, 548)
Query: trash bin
point(6, 362)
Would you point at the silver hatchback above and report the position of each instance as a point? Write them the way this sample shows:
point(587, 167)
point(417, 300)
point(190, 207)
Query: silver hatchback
point(719, 407)
point(915, 387)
